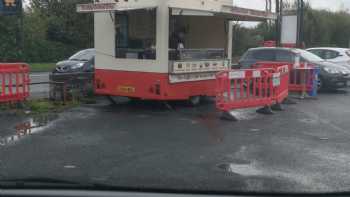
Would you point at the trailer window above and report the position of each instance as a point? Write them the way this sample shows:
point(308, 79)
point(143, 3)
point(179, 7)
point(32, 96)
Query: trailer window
point(136, 34)
point(191, 39)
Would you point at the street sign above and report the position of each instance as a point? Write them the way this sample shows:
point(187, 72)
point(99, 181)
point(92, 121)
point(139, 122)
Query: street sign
point(9, 7)
point(289, 30)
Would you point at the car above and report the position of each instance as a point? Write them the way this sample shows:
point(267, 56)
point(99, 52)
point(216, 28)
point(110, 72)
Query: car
point(332, 76)
point(82, 61)
point(340, 56)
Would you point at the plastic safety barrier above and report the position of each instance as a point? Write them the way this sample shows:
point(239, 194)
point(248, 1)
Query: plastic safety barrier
point(303, 78)
point(281, 77)
point(14, 82)
point(237, 89)
point(282, 70)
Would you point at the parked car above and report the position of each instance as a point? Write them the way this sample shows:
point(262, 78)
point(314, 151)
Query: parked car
point(82, 61)
point(332, 76)
point(76, 74)
point(340, 56)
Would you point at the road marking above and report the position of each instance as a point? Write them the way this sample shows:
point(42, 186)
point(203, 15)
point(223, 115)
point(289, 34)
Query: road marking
point(70, 167)
point(40, 75)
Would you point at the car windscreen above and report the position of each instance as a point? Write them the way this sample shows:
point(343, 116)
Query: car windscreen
point(347, 53)
point(309, 56)
point(85, 55)
point(174, 97)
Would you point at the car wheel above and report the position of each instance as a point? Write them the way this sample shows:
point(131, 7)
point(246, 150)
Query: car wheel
point(194, 100)
point(320, 84)
point(112, 100)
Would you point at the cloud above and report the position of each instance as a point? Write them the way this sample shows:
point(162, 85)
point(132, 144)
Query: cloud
point(318, 4)
point(330, 4)
point(256, 4)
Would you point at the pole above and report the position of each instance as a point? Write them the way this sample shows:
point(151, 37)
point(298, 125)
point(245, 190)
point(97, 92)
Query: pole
point(21, 29)
point(278, 22)
point(230, 42)
point(301, 30)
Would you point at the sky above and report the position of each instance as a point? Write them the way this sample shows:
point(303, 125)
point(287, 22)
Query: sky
point(332, 5)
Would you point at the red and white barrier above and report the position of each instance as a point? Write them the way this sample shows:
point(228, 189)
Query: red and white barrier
point(14, 82)
point(248, 88)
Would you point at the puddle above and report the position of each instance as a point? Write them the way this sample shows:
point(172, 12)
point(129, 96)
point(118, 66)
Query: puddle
point(211, 123)
point(244, 114)
point(308, 121)
point(69, 166)
point(143, 116)
point(241, 167)
point(31, 126)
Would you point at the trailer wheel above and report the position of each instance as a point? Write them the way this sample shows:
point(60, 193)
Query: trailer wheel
point(195, 100)
point(112, 100)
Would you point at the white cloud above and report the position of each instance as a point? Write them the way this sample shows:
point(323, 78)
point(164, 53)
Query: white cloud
point(256, 4)
point(330, 4)
point(318, 4)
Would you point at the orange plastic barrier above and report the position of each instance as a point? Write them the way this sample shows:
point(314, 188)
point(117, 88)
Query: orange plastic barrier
point(237, 89)
point(14, 82)
point(302, 78)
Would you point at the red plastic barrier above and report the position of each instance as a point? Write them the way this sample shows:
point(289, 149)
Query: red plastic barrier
point(272, 43)
point(14, 82)
point(269, 43)
point(237, 89)
point(281, 74)
point(281, 82)
point(257, 87)
point(302, 78)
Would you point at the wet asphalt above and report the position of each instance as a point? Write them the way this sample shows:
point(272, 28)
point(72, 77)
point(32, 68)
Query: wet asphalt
point(149, 145)
point(39, 91)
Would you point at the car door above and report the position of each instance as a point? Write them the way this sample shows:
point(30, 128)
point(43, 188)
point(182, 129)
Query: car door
point(89, 66)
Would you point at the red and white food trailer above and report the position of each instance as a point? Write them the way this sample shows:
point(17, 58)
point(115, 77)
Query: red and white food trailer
point(163, 49)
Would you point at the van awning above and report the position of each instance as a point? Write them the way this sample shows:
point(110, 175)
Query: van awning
point(181, 8)
point(230, 12)
point(109, 7)
point(245, 14)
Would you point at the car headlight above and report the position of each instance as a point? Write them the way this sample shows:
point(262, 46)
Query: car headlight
point(331, 70)
point(78, 65)
point(345, 72)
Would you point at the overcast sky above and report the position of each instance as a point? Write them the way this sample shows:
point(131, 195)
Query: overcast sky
point(332, 5)
point(319, 4)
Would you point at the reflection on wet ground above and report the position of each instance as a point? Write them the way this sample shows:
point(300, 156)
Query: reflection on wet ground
point(304, 148)
point(211, 122)
point(28, 127)
point(205, 115)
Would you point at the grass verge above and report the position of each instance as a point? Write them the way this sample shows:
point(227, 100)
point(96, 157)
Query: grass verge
point(46, 106)
point(35, 107)
point(42, 67)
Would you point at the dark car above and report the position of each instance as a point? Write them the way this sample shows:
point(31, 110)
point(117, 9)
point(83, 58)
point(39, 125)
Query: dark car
point(83, 61)
point(332, 76)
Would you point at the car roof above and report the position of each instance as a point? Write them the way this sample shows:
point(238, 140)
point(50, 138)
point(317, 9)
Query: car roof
point(330, 48)
point(91, 49)
point(273, 48)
